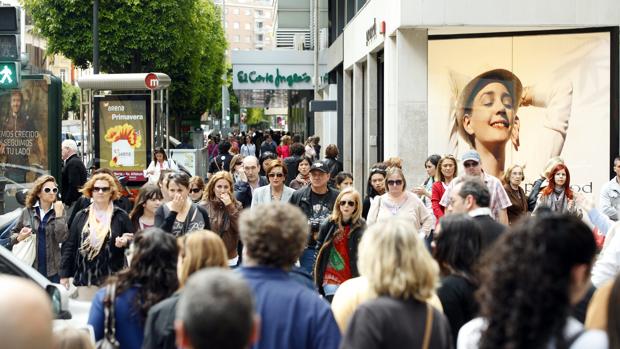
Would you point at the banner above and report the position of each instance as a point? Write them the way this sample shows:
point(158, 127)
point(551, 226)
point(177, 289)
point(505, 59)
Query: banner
point(123, 135)
point(554, 90)
point(24, 132)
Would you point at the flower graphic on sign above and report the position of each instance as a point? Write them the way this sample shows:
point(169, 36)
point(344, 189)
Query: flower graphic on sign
point(125, 139)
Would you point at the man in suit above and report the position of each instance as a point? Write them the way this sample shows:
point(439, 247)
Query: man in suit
point(73, 173)
point(472, 196)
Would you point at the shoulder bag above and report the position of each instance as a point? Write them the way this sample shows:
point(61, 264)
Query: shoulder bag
point(109, 340)
point(428, 328)
point(26, 250)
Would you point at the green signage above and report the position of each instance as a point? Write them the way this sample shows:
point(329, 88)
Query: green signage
point(254, 78)
point(9, 75)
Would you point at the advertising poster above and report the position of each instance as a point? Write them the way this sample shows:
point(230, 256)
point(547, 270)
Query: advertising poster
point(123, 135)
point(555, 92)
point(23, 132)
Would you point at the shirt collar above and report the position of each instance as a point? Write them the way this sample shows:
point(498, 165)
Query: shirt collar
point(41, 212)
point(480, 211)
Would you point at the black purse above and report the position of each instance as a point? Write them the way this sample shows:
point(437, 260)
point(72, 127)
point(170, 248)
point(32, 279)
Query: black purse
point(109, 340)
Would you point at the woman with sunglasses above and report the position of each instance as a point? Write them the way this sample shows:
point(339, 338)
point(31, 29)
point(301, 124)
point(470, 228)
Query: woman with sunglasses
point(400, 202)
point(43, 217)
point(236, 168)
point(97, 239)
point(148, 201)
point(196, 188)
point(276, 190)
point(180, 215)
point(303, 177)
point(338, 238)
point(223, 209)
point(375, 186)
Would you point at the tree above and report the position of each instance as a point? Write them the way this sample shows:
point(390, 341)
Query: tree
point(70, 100)
point(182, 38)
point(256, 116)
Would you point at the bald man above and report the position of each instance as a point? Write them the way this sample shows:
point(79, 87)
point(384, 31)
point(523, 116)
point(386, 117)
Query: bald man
point(25, 315)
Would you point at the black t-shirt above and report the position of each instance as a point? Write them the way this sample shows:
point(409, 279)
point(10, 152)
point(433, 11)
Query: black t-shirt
point(220, 163)
point(386, 322)
point(457, 299)
point(321, 208)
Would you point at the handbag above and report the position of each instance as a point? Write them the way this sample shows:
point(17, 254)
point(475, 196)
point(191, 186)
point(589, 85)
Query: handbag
point(109, 340)
point(428, 328)
point(26, 250)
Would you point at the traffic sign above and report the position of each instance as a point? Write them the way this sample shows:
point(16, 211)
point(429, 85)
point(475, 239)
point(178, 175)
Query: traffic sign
point(9, 75)
point(151, 81)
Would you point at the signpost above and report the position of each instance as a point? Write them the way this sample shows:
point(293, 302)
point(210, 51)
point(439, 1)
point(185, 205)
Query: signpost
point(151, 81)
point(10, 66)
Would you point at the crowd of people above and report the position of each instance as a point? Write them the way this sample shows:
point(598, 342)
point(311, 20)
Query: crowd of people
point(277, 249)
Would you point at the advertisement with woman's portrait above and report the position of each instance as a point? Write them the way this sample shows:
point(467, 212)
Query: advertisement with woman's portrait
point(523, 100)
point(23, 132)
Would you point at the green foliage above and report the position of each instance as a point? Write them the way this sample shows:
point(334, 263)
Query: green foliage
point(255, 116)
point(70, 100)
point(182, 38)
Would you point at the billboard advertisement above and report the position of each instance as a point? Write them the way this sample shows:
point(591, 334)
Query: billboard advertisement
point(123, 137)
point(24, 132)
point(523, 99)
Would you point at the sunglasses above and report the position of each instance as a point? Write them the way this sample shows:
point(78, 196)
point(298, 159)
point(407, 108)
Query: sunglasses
point(350, 203)
point(194, 190)
point(470, 164)
point(101, 189)
point(48, 190)
point(274, 175)
point(395, 182)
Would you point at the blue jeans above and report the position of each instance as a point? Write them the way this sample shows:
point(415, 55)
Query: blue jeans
point(307, 259)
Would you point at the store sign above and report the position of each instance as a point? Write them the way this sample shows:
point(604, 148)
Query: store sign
point(371, 32)
point(273, 77)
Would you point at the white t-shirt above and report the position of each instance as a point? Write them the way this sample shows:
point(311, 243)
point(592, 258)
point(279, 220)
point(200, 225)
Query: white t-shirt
point(469, 335)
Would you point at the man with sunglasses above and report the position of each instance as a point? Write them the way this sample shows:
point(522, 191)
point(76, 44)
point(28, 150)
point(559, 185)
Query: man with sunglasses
point(317, 202)
point(499, 198)
point(73, 174)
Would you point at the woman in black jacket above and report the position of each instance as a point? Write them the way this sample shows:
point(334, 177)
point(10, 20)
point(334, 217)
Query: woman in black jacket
point(97, 239)
point(375, 186)
point(339, 236)
point(180, 215)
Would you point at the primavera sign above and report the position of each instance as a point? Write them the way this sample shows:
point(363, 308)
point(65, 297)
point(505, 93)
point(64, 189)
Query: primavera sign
point(277, 78)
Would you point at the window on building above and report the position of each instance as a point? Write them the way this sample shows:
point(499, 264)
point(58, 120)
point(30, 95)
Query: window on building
point(259, 25)
point(235, 25)
point(235, 11)
point(248, 12)
point(260, 12)
point(63, 75)
point(259, 48)
point(259, 37)
point(248, 26)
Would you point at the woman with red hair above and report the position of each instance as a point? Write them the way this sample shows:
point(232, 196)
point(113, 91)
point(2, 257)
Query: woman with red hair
point(557, 196)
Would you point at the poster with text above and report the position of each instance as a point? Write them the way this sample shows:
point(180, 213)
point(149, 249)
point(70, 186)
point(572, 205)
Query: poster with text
point(523, 100)
point(123, 135)
point(24, 132)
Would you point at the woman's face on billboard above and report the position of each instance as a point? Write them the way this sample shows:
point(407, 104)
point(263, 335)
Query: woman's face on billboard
point(492, 115)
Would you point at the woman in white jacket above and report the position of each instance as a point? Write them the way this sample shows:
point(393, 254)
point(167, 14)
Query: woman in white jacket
point(160, 162)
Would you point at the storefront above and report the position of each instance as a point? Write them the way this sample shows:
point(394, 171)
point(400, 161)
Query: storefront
point(409, 69)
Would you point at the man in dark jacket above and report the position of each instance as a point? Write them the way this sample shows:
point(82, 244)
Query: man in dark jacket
point(222, 161)
point(73, 174)
point(268, 145)
point(292, 162)
point(245, 188)
point(471, 196)
point(316, 201)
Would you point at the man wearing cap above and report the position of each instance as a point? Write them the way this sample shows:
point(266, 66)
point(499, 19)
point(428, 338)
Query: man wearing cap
point(499, 198)
point(316, 201)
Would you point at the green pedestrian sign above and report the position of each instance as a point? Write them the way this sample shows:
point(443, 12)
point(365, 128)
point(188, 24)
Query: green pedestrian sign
point(9, 75)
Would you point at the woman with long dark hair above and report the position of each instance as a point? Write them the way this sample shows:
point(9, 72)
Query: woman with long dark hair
point(529, 282)
point(339, 236)
point(457, 249)
point(151, 278)
point(558, 196)
point(223, 209)
point(447, 170)
point(148, 201)
point(160, 162)
point(375, 186)
point(425, 190)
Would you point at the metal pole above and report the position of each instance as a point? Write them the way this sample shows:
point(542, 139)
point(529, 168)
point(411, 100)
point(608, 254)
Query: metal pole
point(95, 36)
point(224, 124)
point(167, 116)
point(316, 49)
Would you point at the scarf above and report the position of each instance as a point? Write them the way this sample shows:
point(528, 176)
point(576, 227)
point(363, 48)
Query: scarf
point(97, 227)
point(558, 200)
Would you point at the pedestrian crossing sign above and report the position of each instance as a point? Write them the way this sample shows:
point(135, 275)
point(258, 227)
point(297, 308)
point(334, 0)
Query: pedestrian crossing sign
point(9, 75)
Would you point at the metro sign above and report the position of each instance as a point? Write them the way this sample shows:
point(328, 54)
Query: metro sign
point(9, 75)
point(151, 81)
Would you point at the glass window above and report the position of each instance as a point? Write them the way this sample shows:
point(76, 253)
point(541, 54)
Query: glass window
point(248, 26)
point(259, 25)
point(259, 12)
point(259, 37)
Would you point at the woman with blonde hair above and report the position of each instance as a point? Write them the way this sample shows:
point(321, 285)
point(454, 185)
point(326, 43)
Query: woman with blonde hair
point(513, 177)
point(400, 202)
point(223, 209)
point(97, 240)
point(403, 276)
point(283, 150)
point(198, 250)
point(236, 168)
point(338, 240)
point(43, 219)
point(72, 338)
